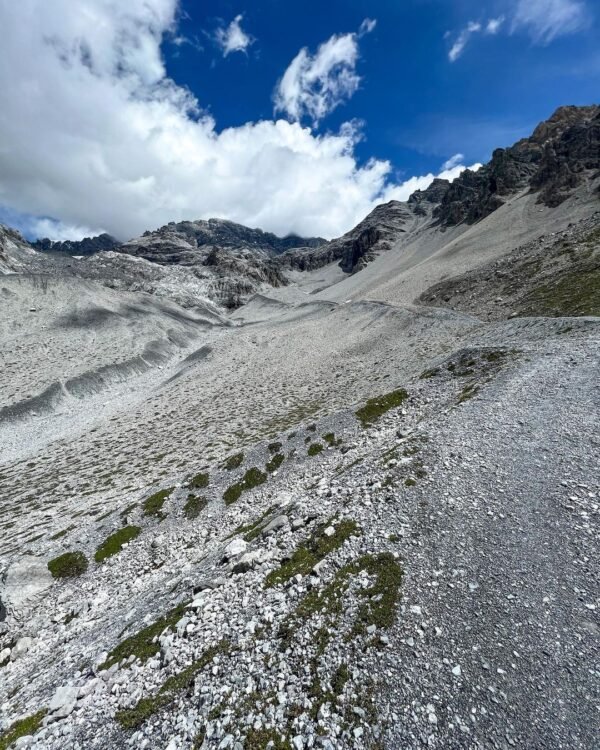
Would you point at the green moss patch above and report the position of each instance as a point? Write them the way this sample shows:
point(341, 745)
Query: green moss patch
point(113, 544)
point(134, 717)
point(152, 506)
point(274, 447)
point(275, 462)
point(375, 408)
point(144, 644)
point(317, 547)
point(314, 449)
point(380, 600)
point(251, 479)
point(259, 739)
point(233, 462)
point(69, 565)
point(331, 440)
point(200, 481)
point(21, 728)
point(194, 505)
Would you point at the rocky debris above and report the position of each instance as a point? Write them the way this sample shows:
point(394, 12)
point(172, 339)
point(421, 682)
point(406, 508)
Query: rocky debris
point(560, 154)
point(86, 246)
point(555, 275)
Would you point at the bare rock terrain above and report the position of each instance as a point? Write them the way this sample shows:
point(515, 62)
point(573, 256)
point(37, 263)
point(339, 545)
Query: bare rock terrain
point(358, 508)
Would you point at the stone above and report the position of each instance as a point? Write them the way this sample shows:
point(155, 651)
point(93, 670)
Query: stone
point(234, 548)
point(24, 582)
point(63, 701)
point(21, 647)
point(277, 523)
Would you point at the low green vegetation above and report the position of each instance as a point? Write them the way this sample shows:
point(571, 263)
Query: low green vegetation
point(199, 482)
point(113, 544)
point(21, 728)
point(331, 440)
point(314, 449)
point(252, 530)
point(69, 565)
point(259, 739)
point(572, 293)
point(274, 447)
point(194, 505)
point(233, 462)
point(152, 506)
point(275, 462)
point(133, 718)
point(375, 408)
point(251, 479)
point(468, 392)
point(380, 600)
point(317, 547)
point(144, 644)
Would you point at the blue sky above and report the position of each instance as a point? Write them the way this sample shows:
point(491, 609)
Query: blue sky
point(295, 116)
point(419, 107)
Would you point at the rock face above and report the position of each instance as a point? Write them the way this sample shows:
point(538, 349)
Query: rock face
point(233, 261)
point(86, 246)
point(356, 248)
point(15, 252)
point(561, 153)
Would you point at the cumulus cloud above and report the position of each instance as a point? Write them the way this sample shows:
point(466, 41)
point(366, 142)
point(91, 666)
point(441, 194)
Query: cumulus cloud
point(545, 20)
point(314, 85)
point(233, 38)
point(95, 135)
point(450, 171)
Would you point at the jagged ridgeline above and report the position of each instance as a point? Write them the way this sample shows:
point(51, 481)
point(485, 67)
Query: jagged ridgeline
point(265, 493)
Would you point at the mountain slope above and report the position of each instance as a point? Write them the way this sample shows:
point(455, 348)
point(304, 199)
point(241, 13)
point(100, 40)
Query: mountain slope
point(358, 513)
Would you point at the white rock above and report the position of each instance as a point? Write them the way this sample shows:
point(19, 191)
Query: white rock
point(24, 582)
point(63, 701)
point(21, 647)
point(235, 548)
point(456, 671)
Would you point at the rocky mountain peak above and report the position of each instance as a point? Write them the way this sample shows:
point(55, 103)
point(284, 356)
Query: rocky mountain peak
point(561, 153)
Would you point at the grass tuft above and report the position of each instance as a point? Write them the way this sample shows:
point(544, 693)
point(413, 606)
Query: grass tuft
point(152, 506)
point(144, 644)
point(376, 407)
point(233, 462)
point(318, 546)
point(133, 718)
point(113, 544)
point(21, 728)
point(275, 462)
point(314, 449)
point(251, 479)
point(69, 565)
point(194, 506)
point(199, 482)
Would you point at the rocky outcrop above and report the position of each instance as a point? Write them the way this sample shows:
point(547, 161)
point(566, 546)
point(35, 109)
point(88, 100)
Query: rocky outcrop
point(356, 248)
point(561, 153)
point(15, 252)
point(86, 246)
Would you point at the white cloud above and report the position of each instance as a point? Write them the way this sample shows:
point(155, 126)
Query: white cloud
point(453, 161)
point(94, 134)
point(314, 85)
point(493, 25)
point(405, 189)
point(545, 20)
point(490, 27)
point(461, 41)
point(367, 26)
point(57, 230)
point(233, 38)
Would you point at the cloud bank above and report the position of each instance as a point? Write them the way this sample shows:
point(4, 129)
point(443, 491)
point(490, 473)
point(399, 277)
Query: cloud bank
point(95, 135)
